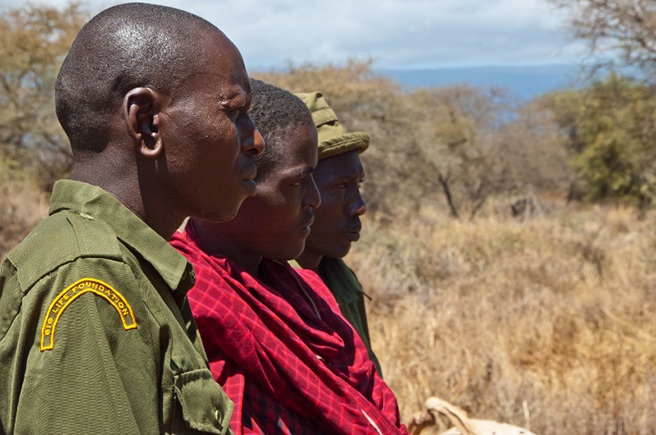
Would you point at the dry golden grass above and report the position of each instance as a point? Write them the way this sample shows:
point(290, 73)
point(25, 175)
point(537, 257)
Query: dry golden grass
point(547, 323)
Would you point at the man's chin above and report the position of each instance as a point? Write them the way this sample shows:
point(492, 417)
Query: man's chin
point(284, 257)
point(342, 253)
point(223, 215)
point(250, 187)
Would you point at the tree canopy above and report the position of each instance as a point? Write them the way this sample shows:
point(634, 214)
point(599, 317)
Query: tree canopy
point(457, 144)
point(612, 134)
point(617, 31)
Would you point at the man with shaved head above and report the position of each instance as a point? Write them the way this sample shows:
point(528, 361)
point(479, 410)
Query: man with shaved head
point(96, 334)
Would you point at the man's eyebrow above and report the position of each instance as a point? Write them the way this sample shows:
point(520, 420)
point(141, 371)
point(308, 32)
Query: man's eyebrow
point(354, 177)
point(303, 172)
point(238, 98)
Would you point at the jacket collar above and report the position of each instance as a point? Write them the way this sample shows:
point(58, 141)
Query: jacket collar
point(83, 198)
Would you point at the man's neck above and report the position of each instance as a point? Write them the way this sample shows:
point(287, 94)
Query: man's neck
point(136, 189)
point(215, 242)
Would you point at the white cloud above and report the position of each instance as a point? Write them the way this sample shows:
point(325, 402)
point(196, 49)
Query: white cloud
point(395, 33)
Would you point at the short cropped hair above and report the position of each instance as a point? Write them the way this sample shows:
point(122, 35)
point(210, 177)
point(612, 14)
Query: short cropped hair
point(275, 112)
point(124, 47)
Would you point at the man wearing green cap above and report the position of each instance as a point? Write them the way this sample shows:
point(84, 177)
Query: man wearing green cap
point(337, 222)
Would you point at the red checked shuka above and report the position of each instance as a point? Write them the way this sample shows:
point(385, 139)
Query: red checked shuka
point(283, 353)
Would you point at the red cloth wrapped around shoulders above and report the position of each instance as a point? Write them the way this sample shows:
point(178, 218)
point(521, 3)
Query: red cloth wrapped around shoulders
point(282, 352)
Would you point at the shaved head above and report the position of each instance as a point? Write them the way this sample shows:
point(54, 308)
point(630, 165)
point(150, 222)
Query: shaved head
point(155, 102)
point(124, 47)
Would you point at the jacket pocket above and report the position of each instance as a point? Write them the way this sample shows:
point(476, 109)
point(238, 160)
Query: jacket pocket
point(205, 407)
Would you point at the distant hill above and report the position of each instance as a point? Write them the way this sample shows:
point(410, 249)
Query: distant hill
point(524, 82)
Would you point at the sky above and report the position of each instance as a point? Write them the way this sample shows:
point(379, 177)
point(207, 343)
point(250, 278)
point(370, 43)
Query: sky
point(395, 34)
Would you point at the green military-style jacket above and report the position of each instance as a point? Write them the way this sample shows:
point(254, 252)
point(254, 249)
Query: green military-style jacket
point(96, 334)
point(344, 285)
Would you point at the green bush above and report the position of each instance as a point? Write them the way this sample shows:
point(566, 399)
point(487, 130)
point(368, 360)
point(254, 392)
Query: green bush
point(611, 127)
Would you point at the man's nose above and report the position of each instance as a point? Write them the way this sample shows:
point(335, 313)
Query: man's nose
point(258, 142)
point(313, 197)
point(255, 146)
point(357, 207)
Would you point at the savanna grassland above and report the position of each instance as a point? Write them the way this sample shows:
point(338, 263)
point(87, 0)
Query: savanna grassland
point(544, 322)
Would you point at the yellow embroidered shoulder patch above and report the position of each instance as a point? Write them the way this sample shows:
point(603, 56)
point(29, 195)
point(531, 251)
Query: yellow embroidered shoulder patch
point(71, 293)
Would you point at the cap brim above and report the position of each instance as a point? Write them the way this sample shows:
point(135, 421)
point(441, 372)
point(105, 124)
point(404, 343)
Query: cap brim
point(343, 144)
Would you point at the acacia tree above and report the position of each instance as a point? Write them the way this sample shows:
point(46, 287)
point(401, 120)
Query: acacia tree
point(34, 40)
point(458, 128)
point(618, 30)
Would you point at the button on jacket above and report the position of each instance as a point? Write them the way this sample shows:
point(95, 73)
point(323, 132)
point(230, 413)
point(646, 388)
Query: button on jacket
point(96, 334)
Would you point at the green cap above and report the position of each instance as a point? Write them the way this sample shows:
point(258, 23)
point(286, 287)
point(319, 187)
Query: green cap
point(333, 139)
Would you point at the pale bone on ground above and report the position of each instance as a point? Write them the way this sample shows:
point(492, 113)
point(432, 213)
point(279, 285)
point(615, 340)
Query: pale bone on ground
point(463, 425)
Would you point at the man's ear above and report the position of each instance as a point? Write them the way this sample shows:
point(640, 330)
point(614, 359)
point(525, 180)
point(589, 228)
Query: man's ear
point(141, 110)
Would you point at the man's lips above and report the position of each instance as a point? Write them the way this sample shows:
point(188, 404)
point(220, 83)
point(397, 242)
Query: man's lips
point(308, 223)
point(248, 179)
point(353, 234)
point(250, 173)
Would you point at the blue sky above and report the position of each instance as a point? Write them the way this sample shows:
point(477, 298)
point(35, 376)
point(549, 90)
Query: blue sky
point(396, 34)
